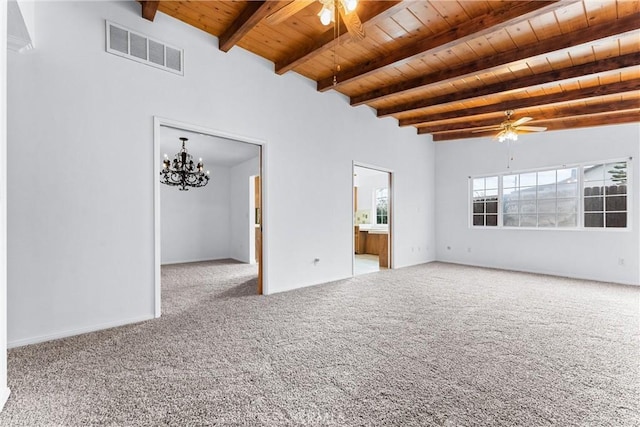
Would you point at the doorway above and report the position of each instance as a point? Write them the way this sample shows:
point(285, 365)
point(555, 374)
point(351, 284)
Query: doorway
point(372, 219)
point(214, 222)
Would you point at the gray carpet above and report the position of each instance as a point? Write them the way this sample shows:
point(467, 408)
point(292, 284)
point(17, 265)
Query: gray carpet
point(435, 344)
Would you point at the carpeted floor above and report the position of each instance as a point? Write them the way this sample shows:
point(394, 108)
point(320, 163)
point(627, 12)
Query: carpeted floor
point(435, 344)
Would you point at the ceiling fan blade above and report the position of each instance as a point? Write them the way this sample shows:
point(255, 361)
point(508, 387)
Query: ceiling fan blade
point(287, 11)
point(532, 128)
point(353, 23)
point(521, 120)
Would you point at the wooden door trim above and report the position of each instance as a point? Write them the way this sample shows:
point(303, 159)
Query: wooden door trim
point(258, 230)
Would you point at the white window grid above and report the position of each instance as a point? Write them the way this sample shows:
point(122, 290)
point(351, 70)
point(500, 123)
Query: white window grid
point(375, 204)
point(580, 210)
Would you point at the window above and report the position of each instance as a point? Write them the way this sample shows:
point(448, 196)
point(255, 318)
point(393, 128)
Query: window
point(382, 206)
point(485, 201)
point(605, 195)
point(541, 199)
point(589, 196)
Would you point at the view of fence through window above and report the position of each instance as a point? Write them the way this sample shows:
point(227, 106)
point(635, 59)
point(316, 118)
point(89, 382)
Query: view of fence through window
point(551, 198)
point(485, 201)
point(605, 195)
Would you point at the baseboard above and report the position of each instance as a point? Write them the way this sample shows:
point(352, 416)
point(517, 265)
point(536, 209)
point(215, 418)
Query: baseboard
point(4, 396)
point(413, 264)
point(189, 261)
point(79, 331)
point(542, 271)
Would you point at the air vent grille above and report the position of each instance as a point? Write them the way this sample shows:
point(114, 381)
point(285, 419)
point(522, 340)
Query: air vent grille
point(156, 52)
point(174, 59)
point(140, 48)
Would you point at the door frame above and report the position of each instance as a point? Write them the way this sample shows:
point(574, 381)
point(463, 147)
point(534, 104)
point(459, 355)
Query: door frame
point(4, 389)
point(158, 123)
point(390, 241)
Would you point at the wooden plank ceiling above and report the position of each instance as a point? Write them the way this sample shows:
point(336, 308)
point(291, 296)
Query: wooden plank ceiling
point(448, 68)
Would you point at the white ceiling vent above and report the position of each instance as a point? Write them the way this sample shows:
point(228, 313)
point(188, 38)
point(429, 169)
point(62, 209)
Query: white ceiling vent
point(129, 44)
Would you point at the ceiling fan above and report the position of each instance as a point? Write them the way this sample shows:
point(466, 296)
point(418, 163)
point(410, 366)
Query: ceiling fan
point(346, 9)
point(509, 128)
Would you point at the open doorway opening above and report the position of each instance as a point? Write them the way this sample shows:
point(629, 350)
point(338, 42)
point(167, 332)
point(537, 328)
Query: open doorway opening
point(372, 219)
point(213, 229)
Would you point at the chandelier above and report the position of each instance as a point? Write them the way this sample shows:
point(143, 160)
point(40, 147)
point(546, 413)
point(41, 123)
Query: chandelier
point(182, 172)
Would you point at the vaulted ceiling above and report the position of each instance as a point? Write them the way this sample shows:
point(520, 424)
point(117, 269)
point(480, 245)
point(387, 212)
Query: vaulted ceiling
point(448, 68)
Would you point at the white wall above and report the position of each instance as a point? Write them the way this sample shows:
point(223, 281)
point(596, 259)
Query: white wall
point(4, 390)
point(241, 215)
point(590, 254)
point(195, 223)
point(81, 237)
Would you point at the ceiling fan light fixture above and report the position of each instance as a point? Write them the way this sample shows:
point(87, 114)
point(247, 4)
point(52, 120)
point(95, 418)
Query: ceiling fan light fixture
point(350, 5)
point(326, 15)
point(508, 129)
point(508, 135)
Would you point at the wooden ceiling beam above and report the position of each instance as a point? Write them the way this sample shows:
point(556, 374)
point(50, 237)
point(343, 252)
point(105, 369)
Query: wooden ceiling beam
point(488, 64)
point(251, 15)
point(607, 118)
point(550, 114)
point(479, 26)
point(521, 83)
point(285, 12)
point(552, 98)
point(149, 9)
point(374, 12)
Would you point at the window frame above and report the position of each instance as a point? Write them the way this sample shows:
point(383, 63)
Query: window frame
point(580, 223)
point(375, 205)
point(606, 196)
point(473, 202)
point(538, 199)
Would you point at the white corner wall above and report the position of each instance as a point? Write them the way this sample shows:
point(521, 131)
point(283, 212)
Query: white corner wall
point(588, 254)
point(241, 217)
point(4, 390)
point(195, 224)
point(81, 238)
